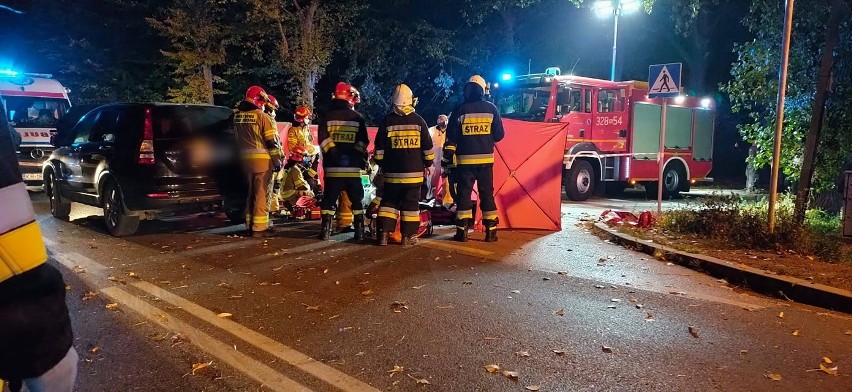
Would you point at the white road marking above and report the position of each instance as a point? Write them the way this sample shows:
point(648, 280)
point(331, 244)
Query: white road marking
point(96, 275)
point(268, 377)
point(287, 354)
point(441, 244)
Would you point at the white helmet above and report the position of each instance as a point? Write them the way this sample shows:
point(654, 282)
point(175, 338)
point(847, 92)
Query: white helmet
point(402, 95)
point(478, 80)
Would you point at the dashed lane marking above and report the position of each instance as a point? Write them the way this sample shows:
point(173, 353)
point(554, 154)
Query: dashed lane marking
point(301, 361)
point(268, 377)
point(96, 275)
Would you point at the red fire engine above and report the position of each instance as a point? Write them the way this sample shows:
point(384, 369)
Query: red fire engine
point(614, 131)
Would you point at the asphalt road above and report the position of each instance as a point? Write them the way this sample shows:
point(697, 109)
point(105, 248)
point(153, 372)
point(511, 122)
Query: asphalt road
point(566, 311)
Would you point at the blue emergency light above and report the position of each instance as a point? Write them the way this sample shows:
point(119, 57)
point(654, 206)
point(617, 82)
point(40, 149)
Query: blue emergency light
point(506, 77)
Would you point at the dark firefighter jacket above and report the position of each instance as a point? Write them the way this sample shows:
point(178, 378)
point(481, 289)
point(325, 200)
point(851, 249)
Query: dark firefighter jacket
point(403, 148)
point(35, 330)
point(474, 127)
point(343, 139)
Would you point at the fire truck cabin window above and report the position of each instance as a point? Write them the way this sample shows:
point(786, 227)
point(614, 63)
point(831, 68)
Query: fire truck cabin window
point(569, 100)
point(610, 101)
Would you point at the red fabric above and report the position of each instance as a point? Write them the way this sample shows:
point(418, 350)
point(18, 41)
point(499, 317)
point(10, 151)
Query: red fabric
point(528, 175)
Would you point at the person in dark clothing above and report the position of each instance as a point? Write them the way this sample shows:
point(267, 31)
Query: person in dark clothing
point(404, 153)
point(474, 127)
point(343, 140)
point(35, 328)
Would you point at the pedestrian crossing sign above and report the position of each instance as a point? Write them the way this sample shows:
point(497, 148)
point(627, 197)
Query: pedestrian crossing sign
point(664, 80)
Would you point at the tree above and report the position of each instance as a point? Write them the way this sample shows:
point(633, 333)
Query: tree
point(198, 32)
point(304, 35)
point(753, 89)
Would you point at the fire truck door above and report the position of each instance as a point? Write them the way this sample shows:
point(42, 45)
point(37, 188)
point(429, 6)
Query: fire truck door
point(574, 107)
point(609, 123)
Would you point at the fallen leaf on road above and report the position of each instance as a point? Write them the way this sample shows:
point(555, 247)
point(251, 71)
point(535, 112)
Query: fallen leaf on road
point(639, 306)
point(133, 275)
point(396, 369)
point(523, 354)
point(515, 291)
point(559, 352)
point(311, 307)
point(467, 283)
point(89, 295)
point(201, 365)
point(827, 360)
point(399, 306)
point(94, 350)
point(512, 375)
point(849, 332)
point(743, 352)
point(597, 286)
point(649, 316)
point(606, 349)
point(773, 376)
point(545, 278)
point(418, 287)
point(112, 306)
point(114, 279)
point(828, 370)
point(491, 368)
point(420, 381)
point(325, 271)
point(781, 315)
point(796, 333)
point(533, 387)
point(235, 296)
point(693, 331)
point(224, 314)
point(560, 312)
point(615, 300)
point(367, 292)
point(562, 273)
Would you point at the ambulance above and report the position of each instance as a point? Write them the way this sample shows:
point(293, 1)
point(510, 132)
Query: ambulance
point(34, 103)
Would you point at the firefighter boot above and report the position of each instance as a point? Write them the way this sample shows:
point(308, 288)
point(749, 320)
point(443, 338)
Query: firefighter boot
point(461, 230)
point(490, 230)
point(409, 241)
point(359, 227)
point(325, 230)
point(382, 238)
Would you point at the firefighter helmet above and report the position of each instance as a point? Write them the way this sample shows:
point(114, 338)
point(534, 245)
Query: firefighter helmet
point(301, 114)
point(272, 103)
point(478, 80)
point(403, 96)
point(257, 96)
point(346, 92)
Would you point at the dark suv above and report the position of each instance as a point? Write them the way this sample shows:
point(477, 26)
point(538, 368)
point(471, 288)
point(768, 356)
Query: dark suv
point(140, 161)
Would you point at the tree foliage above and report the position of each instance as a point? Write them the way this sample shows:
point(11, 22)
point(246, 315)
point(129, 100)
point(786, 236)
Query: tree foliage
point(753, 88)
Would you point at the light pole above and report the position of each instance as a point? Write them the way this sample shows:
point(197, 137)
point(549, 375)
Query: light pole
point(605, 8)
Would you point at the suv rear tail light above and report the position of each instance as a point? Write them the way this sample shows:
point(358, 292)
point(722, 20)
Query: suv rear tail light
point(146, 148)
point(158, 195)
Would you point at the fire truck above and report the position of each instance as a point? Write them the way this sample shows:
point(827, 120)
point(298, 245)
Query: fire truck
point(614, 131)
point(34, 103)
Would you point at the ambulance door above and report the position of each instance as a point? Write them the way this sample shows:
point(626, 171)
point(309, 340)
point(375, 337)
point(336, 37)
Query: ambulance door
point(610, 122)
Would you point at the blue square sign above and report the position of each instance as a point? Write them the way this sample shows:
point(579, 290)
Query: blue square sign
point(664, 80)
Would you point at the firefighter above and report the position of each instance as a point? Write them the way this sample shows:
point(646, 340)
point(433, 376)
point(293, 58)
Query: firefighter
point(474, 127)
point(439, 135)
point(261, 154)
point(299, 139)
point(343, 140)
point(36, 342)
point(270, 109)
point(404, 153)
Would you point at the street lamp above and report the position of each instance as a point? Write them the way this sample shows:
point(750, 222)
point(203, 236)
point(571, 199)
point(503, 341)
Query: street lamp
point(605, 8)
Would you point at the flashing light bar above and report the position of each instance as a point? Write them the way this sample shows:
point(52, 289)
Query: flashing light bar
point(14, 74)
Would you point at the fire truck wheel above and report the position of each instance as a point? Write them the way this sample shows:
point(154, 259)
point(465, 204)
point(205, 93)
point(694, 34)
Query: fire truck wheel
point(674, 177)
point(579, 181)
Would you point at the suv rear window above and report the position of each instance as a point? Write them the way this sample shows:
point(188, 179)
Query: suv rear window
point(187, 121)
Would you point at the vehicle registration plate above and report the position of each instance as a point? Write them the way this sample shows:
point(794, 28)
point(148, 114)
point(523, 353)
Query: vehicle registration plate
point(32, 176)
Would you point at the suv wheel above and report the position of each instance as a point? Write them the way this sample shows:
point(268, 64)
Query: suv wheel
point(117, 222)
point(59, 208)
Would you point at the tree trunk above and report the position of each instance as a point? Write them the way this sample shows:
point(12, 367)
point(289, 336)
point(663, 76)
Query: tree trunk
point(309, 79)
point(208, 82)
point(832, 33)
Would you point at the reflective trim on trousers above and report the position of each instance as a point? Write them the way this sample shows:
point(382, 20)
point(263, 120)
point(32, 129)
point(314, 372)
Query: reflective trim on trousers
point(411, 216)
point(327, 212)
point(490, 215)
point(475, 159)
point(465, 214)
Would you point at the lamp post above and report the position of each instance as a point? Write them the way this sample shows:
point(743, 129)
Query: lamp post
point(605, 8)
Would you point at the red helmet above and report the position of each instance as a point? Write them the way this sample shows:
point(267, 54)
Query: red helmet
point(301, 113)
point(346, 92)
point(272, 103)
point(257, 96)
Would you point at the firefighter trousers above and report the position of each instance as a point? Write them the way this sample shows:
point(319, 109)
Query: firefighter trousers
point(400, 200)
point(331, 193)
point(483, 176)
point(258, 198)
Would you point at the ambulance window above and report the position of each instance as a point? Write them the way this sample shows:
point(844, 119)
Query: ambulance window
point(610, 101)
point(587, 105)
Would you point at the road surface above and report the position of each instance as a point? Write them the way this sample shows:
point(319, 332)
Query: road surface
point(189, 305)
